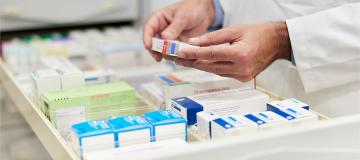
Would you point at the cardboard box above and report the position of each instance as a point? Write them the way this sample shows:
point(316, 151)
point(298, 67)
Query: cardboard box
point(192, 82)
point(204, 120)
point(166, 124)
point(44, 80)
point(91, 136)
point(295, 115)
point(130, 130)
point(98, 102)
point(168, 47)
point(232, 125)
point(236, 101)
point(268, 120)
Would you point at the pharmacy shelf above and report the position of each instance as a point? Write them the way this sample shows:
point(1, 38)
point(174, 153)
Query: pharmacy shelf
point(321, 134)
point(44, 130)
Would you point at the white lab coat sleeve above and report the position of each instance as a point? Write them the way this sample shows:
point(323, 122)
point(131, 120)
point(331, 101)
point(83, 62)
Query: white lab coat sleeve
point(227, 8)
point(326, 47)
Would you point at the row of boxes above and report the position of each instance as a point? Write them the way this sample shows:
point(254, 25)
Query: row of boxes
point(279, 115)
point(128, 130)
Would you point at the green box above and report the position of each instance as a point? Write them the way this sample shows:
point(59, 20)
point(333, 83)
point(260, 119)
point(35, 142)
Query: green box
point(98, 102)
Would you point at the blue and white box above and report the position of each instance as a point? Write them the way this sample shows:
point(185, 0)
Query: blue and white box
point(232, 125)
point(296, 103)
point(204, 120)
point(287, 102)
point(296, 115)
point(92, 136)
point(130, 130)
point(236, 101)
point(268, 120)
point(166, 124)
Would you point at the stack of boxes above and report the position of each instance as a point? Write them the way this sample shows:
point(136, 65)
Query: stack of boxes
point(127, 131)
point(192, 82)
point(64, 108)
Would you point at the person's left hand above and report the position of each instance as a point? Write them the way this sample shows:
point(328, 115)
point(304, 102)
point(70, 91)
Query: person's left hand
point(249, 50)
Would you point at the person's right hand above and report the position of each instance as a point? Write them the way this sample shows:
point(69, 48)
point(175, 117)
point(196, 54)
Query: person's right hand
point(180, 21)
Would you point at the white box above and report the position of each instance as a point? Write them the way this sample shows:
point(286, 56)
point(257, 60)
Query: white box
point(236, 101)
point(91, 136)
point(295, 115)
point(130, 130)
point(152, 92)
point(43, 81)
point(166, 124)
point(168, 47)
point(98, 76)
point(71, 76)
point(232, 125)
point(204, 120)
point(191, 82)
point(296, 103)
point(268, 120)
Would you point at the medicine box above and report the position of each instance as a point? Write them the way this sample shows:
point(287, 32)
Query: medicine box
point(191, 82)
point(268, 120)
point(232, 125)
point(168, 47)
point(236, 101)
point(44, 80)
point(204, 120)
point(152, 92)
point(91, 136)
point(98, 76)
point(295, 115)
point(98, 102)
point(166, 124)
point(296, 103)
point(71, 76)
point(130, 130)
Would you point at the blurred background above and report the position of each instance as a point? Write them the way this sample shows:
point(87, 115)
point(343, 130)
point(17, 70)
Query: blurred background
point(28, 23)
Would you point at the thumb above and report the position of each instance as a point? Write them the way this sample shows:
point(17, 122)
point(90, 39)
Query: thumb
point(176, 27)
point(214, 38)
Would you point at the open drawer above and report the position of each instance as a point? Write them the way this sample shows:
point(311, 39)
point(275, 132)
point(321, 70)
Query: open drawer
point(334, 135)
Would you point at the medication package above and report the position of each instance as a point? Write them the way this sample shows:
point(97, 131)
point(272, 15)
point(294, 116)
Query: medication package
point(168, 48)
point(97, 102)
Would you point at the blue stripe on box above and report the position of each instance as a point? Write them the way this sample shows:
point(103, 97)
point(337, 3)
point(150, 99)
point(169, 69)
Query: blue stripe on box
point(223, 123)
point(284, 114)
point(166, 79)
point(255, 119)
point(173, 47)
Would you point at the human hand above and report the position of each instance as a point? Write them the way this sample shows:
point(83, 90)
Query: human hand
point(250, 49)
point(179, 21)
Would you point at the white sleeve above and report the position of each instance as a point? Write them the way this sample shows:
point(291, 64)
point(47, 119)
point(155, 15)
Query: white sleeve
point(226, 6)
point(326, 47)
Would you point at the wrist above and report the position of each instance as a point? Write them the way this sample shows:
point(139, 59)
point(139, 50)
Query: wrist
point(283, 41)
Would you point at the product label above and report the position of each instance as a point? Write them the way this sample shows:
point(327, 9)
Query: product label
point(65, 117)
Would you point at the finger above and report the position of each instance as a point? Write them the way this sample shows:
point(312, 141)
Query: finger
point(213, 38)
point(176, 27)
point(156, 56)
point(154, 25)
point(215, 53)
point(184, 62)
